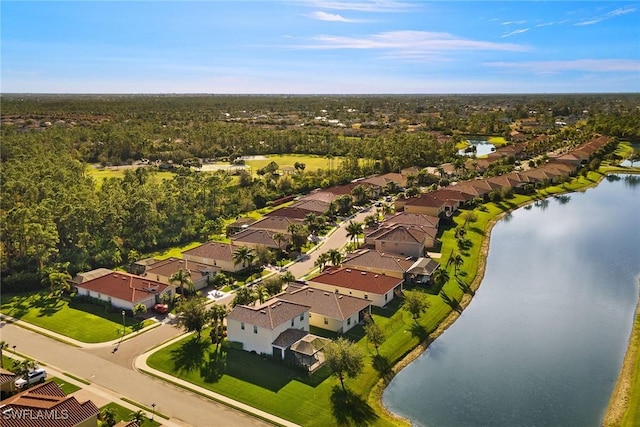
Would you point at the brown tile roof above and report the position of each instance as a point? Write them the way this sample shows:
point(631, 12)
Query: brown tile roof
point(269, 315)
point(89, 275)
point(357, 280)
point(403, 233)
point(256, 237)
point(426, 200)
point(291, 212)
point(171, 265)
point(6, 376)
point(327, 304)
point(124, 286)
point(289, 337)
point(49, 406)
point(368, 258)
point(408, 218)
point(213, 250)
point(322, 196)
point(449, 193)
point(317, 206)
point(276, 223)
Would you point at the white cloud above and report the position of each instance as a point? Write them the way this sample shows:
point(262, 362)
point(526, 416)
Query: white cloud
point(614, 13)
point(514, 22)
point(409, 44)
point(364, 6)
point(332, 17)
point(588, 65)
point(547, 24)
point(513, 33)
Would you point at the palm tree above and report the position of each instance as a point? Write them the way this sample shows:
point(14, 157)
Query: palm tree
point(312, 223)
point(457, 262)
point(243, 255)
point(344, 204)
point(279, 238)
point(217, 313)
point(288, 277)
point(261, 293)
point(3, 346)
point(23, 367)
point(354, 229)
point(182, 278)
point(370, 221)
point(440, 277)
point(297, 236)
point(360, 193)
point(138, 417)
point(322, 260)
point(108, 417)
point(335, 257)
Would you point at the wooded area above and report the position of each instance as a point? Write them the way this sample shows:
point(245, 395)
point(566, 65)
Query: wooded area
point(56, 217)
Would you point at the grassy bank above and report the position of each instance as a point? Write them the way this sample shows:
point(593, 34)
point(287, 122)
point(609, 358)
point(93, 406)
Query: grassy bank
point(624, 405)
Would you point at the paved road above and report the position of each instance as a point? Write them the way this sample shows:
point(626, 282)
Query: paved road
point(336, 241)
point(114, 372)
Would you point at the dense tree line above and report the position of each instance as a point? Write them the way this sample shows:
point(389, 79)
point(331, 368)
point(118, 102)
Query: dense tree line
point(55, 216)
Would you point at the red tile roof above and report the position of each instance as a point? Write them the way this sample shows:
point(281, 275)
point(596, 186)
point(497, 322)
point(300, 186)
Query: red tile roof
point(357, 280)
point(124, 286)
point(45, 405)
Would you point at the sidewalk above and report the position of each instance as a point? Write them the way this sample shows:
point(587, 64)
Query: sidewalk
point(100, 396)
point(140, 364)
point(67, 340)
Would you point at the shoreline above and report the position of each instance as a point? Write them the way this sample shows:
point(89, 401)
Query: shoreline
point(412, 355)
point(619, 400)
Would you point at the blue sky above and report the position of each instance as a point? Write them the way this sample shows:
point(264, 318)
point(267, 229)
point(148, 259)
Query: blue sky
point(323, 46)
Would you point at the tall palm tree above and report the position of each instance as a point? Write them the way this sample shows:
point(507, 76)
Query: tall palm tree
point(279, 238)
point(440, 277)
point(312, 223)
point(243, 255)
point(354, 229)
point(3, 346)
point(457, 262)
point(297, 235)
point(322, 260)
point(261, 293)
point(288, 277)
point(359, 192)
point(182, 278)
point(217, 313)
point(335, 257)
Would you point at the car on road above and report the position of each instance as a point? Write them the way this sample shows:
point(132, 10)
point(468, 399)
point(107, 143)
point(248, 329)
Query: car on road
point(161, 308)
point(36, 376)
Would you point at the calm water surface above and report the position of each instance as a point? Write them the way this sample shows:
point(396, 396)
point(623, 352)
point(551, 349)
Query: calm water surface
point(482, 147)
point(543, 340)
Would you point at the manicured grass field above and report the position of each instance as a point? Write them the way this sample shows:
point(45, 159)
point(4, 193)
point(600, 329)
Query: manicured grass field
point(101, 174)
point(498, 141)
point(632, 414)
point(312, 163)
point(124, 414)
point(78, 320)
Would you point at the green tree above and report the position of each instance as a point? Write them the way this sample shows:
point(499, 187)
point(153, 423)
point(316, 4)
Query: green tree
point(244, 296)
point(298, 236)
point(322, 260)
point(440, 277)
point(182, 278)
point(415, 304)
point(139, 310)
point(374, 334)
point(279, 238)
point(371, 221)
point(217, 313)
point(360, 193)
point(261, 293)
point(288, 277)
point(3, 346)
point(193, 316)
point(344, 359)
point(138, 417)
point(244, 256)
point(457, 261)
point(335, 256)
point(354, 229)
point(107, 417)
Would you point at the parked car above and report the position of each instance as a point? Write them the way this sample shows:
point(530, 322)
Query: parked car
point(161, 308)
point(36, 376)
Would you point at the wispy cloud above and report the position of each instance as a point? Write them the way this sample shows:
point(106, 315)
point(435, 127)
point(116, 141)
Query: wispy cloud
point(618, 12)
point(548, 24)
point(332, 17)
point(514, 32)
point(514, 22)
point(588, 65)
point(364, 6)
point(409, 45)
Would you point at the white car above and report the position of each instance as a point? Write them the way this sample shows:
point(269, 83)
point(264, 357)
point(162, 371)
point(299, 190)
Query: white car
point(36, 376)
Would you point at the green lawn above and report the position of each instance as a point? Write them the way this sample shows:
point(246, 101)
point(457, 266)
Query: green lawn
point(312, 163)
point(64, 385)
point(124, 414)
point(78, 320)
point(100, 174)
point(632, 414)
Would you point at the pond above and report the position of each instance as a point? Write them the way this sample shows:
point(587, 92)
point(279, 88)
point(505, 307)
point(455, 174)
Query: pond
point(482, 148)
point(543, 340)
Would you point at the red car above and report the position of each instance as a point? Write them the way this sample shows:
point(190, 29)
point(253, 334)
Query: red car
point(161, 308)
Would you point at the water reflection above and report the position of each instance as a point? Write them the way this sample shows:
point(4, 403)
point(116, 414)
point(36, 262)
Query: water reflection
point(632, 180)
point(542, 341)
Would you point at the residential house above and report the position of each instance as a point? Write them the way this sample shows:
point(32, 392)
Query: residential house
point(125, 290)
point(277, 224)
point(317, 206)
point(7, 380)
point(407, 240)
point(239, 225)
point(253, 238)
point(200, 273)
point(412, 270)
point(377, 288)
point(258, 327)
point(328, 310)
point(43, 402)
point(408, 218)
point(90, 275)
point(216, 254)
point(430, 204)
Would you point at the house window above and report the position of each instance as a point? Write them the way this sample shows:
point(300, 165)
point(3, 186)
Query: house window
point(386, 296)
point(326, 321)
point(255, 329)
point(99, 296)
point(366, 296)
point(109, 300)
point(242, 325)
point(302, 317)
point(349, 321)
point(292, 320)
